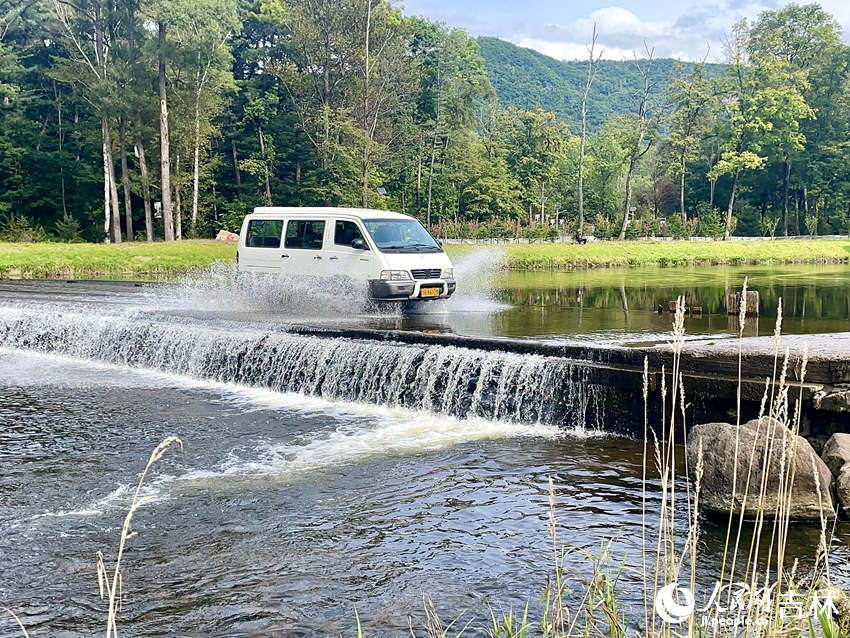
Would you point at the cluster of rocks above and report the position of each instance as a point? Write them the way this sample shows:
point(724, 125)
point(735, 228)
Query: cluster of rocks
point(768, 456)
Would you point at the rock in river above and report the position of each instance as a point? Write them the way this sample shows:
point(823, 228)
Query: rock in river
point(836, 455)
point(764, 442)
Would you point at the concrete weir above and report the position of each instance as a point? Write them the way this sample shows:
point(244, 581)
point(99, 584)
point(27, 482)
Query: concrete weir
point(710, 372)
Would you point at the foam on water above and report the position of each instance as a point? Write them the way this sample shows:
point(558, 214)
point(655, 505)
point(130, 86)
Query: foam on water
point(450, 381)
point(363, 430)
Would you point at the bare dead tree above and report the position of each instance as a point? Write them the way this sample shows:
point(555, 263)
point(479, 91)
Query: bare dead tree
point(592, 69)
point(641, 146)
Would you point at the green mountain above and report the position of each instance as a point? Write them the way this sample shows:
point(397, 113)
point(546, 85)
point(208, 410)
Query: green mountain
point(526, 79)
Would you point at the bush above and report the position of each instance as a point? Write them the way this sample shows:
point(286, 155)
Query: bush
point(503, 230)
point(537, 232)
point(18, 228)
point(768, 225)
point(811, 224)
point(69, 230)
point(711, 222)
point(604, 227)
point(675, 227)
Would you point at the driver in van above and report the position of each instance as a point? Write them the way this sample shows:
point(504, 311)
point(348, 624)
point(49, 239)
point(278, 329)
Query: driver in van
point(346, 233)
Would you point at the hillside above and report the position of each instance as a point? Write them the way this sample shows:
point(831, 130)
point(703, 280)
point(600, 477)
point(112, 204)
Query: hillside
point(526, 79)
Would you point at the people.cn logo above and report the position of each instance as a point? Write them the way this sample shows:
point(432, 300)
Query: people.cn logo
point(668, 607)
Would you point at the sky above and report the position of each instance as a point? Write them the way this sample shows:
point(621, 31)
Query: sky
point(687, 30)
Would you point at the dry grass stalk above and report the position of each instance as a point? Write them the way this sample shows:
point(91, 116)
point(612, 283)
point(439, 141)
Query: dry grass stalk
point(113, 592)
point(17, 620)
point(643, 483)
point(557, 612)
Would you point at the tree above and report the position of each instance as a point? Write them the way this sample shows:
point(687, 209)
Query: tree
point(536, 147)
point(319, 72)
point(642, 139)
point(88, 41)
point(690, 123)
point(389, 82)
point(800, 37)
point(592, 69)
point(760, 109)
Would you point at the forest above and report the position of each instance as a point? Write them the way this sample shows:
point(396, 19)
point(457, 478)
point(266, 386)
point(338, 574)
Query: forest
point(136, 120)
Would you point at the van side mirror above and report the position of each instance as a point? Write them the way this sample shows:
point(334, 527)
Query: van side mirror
point(359, 244)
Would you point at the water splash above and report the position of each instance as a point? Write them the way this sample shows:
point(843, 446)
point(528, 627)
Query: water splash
point(223, 288)
point(477, 272)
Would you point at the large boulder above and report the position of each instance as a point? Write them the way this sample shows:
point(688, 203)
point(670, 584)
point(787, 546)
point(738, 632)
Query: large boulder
point(763, 442)
point(836, 455)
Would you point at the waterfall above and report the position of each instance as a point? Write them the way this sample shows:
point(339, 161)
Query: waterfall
point(448, 380)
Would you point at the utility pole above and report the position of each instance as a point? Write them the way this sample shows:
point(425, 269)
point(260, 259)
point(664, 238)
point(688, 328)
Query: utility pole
point(543, 199)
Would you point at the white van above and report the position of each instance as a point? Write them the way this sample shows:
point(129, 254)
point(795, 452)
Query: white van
point(393, 253)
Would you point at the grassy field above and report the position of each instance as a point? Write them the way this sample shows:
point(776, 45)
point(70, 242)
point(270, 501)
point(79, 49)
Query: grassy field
point(669, 253)
point(130, 260)
point(139, 260)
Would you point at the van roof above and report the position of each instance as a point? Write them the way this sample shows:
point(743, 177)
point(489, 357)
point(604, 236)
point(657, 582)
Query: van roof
point(360, 213)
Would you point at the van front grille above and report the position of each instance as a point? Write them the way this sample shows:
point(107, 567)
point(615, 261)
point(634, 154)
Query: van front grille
point(426, 273)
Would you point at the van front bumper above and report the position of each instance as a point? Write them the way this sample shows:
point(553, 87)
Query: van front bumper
point(403, 290)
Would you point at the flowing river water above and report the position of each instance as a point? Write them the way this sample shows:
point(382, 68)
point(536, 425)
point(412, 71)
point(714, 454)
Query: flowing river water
point(321, 478)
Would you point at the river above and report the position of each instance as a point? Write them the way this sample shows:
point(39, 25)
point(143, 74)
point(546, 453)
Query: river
point(320, 478)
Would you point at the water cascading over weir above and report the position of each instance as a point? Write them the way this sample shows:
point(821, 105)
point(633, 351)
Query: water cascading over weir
point(448, 380)
point(572, 386)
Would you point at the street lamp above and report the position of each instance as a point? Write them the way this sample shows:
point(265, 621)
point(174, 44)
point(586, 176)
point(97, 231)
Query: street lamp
point(381, 190)
point(557, 212)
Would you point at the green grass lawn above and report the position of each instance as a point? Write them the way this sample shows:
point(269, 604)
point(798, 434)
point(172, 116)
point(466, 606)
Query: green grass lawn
point(129, 260)
point(669, 253)
point(139, 260)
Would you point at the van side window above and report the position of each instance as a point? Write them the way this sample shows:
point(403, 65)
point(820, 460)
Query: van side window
point(346, 232)
point(304, 234)
point(264, 233)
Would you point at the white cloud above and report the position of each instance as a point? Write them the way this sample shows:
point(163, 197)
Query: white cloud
point(679, 30)
point(686, 36)
point(621, 34)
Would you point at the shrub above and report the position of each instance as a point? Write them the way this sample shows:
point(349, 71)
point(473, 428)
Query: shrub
point(710, 221)
point(18, 228)
point(675, 227)
point(69, 230)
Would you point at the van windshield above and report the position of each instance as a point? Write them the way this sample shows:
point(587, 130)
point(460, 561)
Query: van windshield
point(400, 235)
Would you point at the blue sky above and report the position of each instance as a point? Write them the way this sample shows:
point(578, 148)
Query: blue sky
point(685, 30)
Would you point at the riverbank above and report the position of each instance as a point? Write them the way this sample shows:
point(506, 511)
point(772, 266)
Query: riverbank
point(605, 254)
point(160, 260)
point(129, 260)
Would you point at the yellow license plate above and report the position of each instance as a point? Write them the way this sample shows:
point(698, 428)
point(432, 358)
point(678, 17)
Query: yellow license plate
point(430, 292)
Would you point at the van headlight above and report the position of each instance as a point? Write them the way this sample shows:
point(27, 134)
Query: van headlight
point(448, 273)
point(395, 275)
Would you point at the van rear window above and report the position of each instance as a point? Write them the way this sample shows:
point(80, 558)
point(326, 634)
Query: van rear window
point(264, 233)
point(304, 234)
